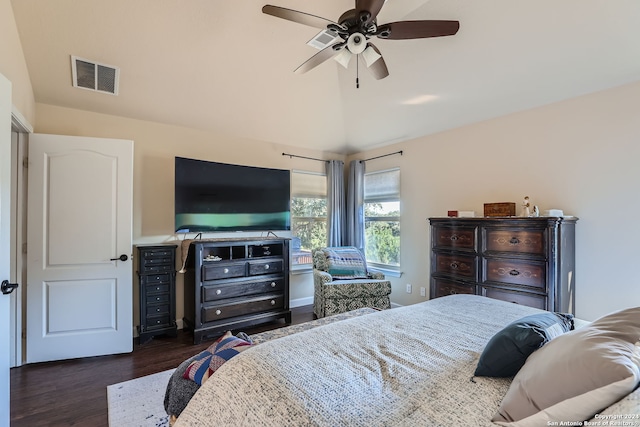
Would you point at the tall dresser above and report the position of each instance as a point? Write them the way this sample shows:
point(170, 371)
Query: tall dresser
point(157, 278)
point(529, 261)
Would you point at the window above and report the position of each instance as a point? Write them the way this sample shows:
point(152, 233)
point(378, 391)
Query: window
point(308, 215)
point(382, 218)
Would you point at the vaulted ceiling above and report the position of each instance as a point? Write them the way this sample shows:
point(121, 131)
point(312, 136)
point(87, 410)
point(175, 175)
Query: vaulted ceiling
point(225, 66)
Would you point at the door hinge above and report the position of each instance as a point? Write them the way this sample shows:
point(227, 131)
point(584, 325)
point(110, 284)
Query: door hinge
point(24, 248)
point(25, 162)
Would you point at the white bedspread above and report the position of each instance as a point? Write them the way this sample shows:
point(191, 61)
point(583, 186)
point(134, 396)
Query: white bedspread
point(408, 366)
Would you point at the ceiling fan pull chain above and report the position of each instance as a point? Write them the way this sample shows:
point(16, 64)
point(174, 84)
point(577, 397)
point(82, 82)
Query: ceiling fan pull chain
point(357, 72)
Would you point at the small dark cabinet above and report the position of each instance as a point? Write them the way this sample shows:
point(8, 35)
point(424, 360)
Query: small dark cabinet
point(235, 283)
point(157, 278)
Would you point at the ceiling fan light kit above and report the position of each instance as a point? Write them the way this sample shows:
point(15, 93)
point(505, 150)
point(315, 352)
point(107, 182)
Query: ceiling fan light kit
point(370, 56)
point(343, 57)
point(355, 28)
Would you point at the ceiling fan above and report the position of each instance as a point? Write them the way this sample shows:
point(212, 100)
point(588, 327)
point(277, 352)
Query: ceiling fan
point(353, 30)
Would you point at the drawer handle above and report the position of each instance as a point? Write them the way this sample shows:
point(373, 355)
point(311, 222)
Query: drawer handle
point(218, 312)
point(514, 273)
point(158, 288)
point(514, 241)
point(273, 284)
point(454, 265)
point(452, 292)
point(273, 302)
point(218, 291)
point(454, 237)
point(226, 270)
point(266, 266)
point(515, 302)
point(158, 299)
point(158, 310)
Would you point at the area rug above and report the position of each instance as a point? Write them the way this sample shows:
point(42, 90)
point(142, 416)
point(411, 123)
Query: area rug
point(139, 402)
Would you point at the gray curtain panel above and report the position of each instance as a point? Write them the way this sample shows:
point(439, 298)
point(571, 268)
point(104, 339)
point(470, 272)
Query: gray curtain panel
point(354, 232)
point(335, 202)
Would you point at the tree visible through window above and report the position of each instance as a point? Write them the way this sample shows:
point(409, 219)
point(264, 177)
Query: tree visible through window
point(382, 218)
point(308, 215)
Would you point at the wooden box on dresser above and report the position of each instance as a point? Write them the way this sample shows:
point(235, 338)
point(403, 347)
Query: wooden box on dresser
point(157, 280)
point(235, 283)
point(529, 261)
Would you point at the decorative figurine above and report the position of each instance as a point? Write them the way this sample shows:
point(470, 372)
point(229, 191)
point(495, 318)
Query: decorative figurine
point(536, 211)
point(525, 207)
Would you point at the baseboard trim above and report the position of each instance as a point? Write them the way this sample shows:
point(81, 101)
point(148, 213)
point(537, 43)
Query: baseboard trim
point(299, 302)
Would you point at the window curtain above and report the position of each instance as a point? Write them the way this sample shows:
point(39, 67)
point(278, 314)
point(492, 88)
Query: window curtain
point(335, 202)
point(354, 232)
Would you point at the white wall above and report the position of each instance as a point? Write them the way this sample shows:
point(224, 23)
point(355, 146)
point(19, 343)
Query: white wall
point(13, 64)
point(155, 147)
point(579, 155)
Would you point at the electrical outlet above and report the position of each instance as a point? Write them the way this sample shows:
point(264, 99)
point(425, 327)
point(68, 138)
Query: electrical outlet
point(423, 291)
point(408, 288)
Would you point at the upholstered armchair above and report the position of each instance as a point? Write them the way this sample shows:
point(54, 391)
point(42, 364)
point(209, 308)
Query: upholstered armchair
point(342, 283)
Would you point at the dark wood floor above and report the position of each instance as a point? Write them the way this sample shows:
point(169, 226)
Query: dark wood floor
point(74, 392)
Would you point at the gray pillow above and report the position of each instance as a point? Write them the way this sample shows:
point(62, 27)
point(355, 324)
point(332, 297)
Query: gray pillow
point(577, 374)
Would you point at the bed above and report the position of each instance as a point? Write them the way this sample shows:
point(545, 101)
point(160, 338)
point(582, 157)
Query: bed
point(408, 366)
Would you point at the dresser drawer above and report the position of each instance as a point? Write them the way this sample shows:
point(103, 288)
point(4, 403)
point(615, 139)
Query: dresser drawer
point(531, 300)
point(516, 272)
point(223, 271)
point(158, 299)
point(443, 288)
point(147, 262)
point(455, 238)
point(156, 310)
point(157, 253)
point(265, 267)
point(213, 292)
point(157, 288)
point(516, 241)
point(158, 321)
point(239, 307)
point(456, 265)
point(160, 268)
point(149, 279)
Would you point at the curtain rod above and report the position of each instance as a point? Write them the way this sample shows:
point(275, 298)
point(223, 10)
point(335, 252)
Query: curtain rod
point(384, 155)
point(303, 157)
point(321, 160)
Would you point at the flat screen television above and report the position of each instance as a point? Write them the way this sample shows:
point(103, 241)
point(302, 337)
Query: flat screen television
point(219, 197)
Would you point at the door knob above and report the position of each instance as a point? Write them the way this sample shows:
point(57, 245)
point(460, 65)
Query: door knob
point(7, 287)
point(122, 257)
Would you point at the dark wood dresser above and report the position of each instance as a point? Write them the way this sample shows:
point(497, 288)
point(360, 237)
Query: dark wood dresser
point(529, 261)
point(235, 283)
point(157, 279)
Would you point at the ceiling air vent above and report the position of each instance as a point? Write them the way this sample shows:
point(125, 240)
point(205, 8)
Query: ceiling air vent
point(94, 76)
point(323, 39)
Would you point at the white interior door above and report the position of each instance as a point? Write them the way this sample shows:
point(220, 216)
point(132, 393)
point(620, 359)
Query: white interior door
point(79, 221)
point(5, 243)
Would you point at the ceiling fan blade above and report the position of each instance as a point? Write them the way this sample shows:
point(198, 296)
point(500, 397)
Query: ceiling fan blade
point(296, 16)
point(417, 29)
point(371, 6)
point(317, 59)
point(379, 68)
